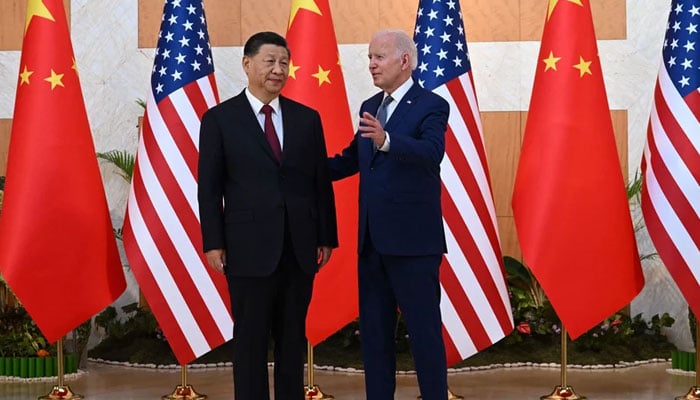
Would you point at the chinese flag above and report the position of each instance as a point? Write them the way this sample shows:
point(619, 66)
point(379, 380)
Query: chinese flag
point(569, 202)
point(57, 249)
point(316, 79)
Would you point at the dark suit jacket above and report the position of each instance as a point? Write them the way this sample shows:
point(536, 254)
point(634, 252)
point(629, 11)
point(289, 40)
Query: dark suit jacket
point(400, 189)
point(244, 192)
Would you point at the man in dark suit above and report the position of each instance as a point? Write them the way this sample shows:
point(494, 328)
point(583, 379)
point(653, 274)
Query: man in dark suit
point(397, 152)
point(268, 217)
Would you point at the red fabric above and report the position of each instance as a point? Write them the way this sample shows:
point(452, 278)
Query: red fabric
point(569, 202)
point(316, 79)
point(57, 249)
point(270, 133)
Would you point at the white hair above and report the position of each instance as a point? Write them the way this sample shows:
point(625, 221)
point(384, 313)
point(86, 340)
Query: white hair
point(404, 44)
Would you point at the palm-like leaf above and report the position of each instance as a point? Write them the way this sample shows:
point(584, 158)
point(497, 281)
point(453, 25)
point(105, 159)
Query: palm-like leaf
point(121, 159)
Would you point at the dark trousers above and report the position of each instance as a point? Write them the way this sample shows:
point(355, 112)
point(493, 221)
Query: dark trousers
point(274, 306)
point(411, 284)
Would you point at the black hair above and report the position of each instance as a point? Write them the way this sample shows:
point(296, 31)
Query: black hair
point(255, 42)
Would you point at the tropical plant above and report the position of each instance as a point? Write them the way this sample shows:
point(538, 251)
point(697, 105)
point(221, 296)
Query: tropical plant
point(122, 159)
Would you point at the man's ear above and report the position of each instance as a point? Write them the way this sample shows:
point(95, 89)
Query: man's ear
point(245, 62)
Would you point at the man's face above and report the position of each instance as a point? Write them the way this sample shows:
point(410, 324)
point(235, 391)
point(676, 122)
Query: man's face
point(388, 67)
point(267, 71)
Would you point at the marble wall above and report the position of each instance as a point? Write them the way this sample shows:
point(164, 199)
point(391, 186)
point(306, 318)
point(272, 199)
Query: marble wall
point(115, 72)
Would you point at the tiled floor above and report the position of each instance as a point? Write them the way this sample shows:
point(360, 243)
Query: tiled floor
point(106, 382)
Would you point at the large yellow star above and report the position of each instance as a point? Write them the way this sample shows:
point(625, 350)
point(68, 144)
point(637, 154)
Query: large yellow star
point(24, 76)
point(584, 67)
point(37, 8)
point(306, 5)
point(551, 62)
point(322, 76)
point(55, 79)
point(293, 69)
point(553, 4)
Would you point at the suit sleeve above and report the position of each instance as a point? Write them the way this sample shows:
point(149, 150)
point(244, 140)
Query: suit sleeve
point(327, 223)
point(211, 176)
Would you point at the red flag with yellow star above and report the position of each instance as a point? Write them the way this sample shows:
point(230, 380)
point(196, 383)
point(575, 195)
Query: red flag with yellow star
point(569, 202)
point(57, 249)
point(316, 79)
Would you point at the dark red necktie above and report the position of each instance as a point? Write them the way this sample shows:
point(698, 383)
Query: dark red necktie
point(270, 132)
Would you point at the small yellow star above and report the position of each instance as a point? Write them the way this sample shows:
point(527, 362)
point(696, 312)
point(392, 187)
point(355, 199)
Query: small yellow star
point(55, 79)
point(293, 69)
point(584, 67)
point(553, 4)
point(551, 62)
point(309, 5)
point(322, 76)
point(24, 76)
point(37, 8)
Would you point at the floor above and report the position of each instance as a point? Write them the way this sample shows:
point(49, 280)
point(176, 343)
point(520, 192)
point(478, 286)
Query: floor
point(108, 382)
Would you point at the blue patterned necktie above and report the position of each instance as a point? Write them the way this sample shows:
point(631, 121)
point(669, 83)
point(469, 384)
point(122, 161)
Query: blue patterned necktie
point(382, 112)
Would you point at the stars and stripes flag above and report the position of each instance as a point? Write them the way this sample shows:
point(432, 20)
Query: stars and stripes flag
point(569, 195)
point(57, 249)
point(475, 305)
point(671, 160)
point(162, 235)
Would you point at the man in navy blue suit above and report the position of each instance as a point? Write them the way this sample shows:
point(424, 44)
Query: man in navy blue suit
point(397, 152)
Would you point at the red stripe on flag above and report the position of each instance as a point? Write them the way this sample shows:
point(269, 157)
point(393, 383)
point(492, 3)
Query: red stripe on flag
point(174, 263)
point(463, 306)
point(465, 238)
point(156, 300)
point(674, 194)
point(465, 112)
point(451, 350)
point(674, 261)
point(674, 132)
point(178, 131)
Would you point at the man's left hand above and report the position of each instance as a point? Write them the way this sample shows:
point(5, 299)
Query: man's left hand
point(372, 129)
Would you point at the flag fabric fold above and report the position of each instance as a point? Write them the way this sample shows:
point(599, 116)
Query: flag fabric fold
point(316, 79)
point(162, 235)
point(57, 249)
point(475, 305)
point(671, 160)
point(569, 201)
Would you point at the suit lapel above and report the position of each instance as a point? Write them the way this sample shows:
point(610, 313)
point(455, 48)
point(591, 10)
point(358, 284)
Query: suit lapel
point(249, 123)
point(406, 104)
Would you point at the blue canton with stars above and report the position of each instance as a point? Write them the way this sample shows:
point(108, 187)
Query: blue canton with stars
point(680, 55)
point(441, 42)
point(183, 54)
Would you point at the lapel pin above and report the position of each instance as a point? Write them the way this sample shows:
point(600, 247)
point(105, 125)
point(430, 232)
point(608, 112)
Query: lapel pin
point(408, 102)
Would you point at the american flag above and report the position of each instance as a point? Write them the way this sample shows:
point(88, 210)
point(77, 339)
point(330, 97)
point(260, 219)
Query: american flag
point(475, 305)
point(671, 161)
point(162, 235)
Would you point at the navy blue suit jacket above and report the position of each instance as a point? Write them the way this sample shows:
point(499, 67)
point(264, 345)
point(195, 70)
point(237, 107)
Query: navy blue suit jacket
point(400, 189)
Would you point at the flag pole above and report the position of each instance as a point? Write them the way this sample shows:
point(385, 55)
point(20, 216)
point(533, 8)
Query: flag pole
point(184, 391)
point(311, 391)
point(694, 392)
point(563, 391)
point(60, 391)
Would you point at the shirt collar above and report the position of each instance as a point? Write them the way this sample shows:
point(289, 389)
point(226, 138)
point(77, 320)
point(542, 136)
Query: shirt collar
point(256, 104)
point(400, 91)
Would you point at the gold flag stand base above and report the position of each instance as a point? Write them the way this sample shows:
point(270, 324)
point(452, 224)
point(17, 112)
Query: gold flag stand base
point(315, 393)
point(62, 393)
point(184, 392)
point(693, 394)
point(450, 396)
point(563, 393)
